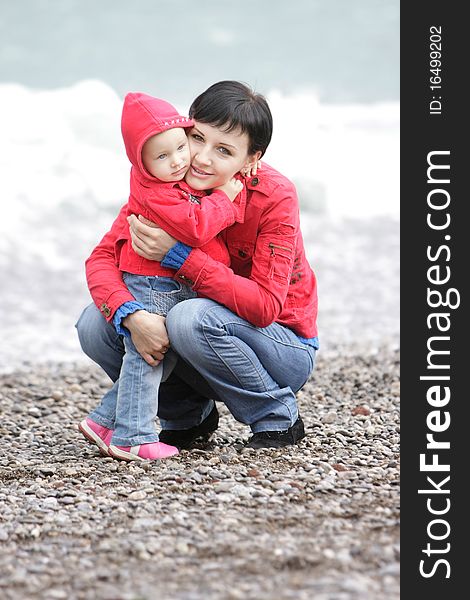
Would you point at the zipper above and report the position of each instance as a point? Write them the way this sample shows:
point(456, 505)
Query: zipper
point(273, 246)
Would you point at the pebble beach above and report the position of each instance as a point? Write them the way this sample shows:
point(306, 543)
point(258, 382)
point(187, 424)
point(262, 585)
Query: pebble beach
point(319, 520)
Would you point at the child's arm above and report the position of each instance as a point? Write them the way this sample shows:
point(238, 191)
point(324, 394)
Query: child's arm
point(190, 222)
point(232, 188)
point(251, 171)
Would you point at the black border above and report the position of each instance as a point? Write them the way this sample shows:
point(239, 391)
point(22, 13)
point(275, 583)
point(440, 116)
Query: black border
point(421, 133)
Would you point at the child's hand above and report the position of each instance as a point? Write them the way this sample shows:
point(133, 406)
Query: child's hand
point(232, 188)
point(252, 170)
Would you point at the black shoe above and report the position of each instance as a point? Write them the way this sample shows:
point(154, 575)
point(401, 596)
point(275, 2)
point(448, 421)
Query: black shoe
point(278, 439)
point(185, 438)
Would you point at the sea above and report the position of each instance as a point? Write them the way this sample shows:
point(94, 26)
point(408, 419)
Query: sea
point(330, 72)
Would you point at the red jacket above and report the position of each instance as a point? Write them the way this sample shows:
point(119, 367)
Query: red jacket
point(189, 216)
point(269, 279)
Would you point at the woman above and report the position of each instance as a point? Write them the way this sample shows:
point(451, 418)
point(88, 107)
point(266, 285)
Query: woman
point(250, 338)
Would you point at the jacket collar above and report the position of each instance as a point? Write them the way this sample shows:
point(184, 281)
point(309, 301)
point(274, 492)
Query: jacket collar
point(262, 182)
point(240, 206)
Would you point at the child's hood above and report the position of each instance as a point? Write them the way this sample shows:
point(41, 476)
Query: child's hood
point(142, 117)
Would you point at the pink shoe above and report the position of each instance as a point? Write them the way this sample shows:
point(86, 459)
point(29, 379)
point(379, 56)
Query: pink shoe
point(99, 435)
point(152, 451)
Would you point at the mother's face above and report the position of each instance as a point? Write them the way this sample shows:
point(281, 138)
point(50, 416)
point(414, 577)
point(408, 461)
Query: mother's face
point(216, 156)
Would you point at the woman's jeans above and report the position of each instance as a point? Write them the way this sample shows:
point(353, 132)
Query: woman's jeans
point(254, 371)
point(130, 407)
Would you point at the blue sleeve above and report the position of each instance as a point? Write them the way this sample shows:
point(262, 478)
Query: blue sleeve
point(310, 341)
point(125, 309)
point(176, 255)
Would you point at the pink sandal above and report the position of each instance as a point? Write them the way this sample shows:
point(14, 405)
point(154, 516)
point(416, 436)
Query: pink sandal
point(97, 434)
point(152, 451)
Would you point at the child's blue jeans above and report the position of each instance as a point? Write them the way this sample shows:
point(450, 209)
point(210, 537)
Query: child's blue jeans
point(130, 407)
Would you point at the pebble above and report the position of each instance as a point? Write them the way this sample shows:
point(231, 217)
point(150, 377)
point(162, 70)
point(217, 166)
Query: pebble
point(138, 495)
point(330, 417)
point(48, 470)
point(34, 412)
point(56, 594)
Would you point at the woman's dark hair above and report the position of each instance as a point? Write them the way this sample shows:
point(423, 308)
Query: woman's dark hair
point(232, 105)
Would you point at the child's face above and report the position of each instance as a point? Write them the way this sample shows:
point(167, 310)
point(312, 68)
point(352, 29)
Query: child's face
point(216, 155)
point(166, 155)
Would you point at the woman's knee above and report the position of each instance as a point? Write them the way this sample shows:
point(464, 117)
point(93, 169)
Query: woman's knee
point(85, 327)
point(94, 332)
point(185, 320)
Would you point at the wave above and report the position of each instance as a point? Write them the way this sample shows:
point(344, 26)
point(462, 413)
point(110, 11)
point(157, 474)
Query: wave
point(343, 158)
point(65, 174)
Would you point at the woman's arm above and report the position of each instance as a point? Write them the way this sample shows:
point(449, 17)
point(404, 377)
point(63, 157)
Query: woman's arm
point(258, 298)
point(109, 293)
point(148, 239)
point(103, 276)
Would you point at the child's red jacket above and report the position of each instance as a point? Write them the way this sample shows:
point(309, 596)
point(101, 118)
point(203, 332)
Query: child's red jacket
point(188, 215)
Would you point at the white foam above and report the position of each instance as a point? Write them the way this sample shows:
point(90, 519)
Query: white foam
point(67, 132)
point(345, 156)
point(57, 147)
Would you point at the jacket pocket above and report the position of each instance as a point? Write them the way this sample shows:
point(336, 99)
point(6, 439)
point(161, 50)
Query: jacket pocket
point(242, 251)
point(167, 292)
point(280, 260)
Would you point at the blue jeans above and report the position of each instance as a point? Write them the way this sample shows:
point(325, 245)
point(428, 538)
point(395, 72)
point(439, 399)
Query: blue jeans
point(255, 372)
point(130, 407)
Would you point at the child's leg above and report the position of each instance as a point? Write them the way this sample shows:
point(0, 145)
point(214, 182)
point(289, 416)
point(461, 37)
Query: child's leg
point(136, 396)
point(105, 413)
point(137, 400)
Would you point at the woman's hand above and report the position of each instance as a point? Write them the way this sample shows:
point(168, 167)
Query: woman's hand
point(148, 240)
point(148, 332)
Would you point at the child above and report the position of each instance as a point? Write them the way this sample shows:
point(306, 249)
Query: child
point(123, 426)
